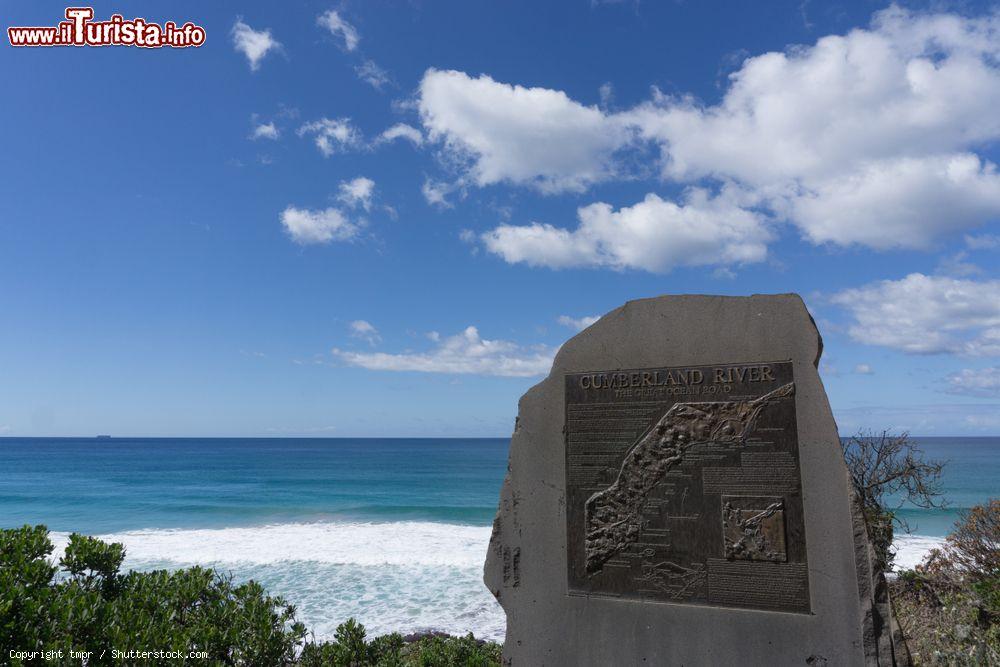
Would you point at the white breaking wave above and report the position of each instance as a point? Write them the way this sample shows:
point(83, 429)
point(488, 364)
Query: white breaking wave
point(397, 543)
point(394, 577)
point(912, 549)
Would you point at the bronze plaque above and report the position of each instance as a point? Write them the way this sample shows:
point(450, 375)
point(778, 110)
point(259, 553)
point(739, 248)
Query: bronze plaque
point(683, 485)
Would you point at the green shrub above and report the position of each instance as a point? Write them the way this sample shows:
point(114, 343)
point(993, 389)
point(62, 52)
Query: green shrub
point(465, 651)
point(349, 648)
point(86, 604)
point(949, 605)
point(974, 544)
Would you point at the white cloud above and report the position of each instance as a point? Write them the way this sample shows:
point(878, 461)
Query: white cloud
point(912, 85)
point(436, 193)
point(338, 27)
point(654, 234)
point(357, 192)
point(402, 131)
point(955, 265)
point(986, 422)
point(254, 44)
point(938, 418)
point(905, 202)
point(984, 382)
point(607, 93)
point(578, 323)
point(923, 314)
point(265, 131)
point(331, 135)
point(365, 331)
point(495, 132)
point(307, 226)
point(982, 241)
point(372, 74)
point(869, 138)
point(863, 369)
point(464, 353)
point(862, 138)
point(724, 273)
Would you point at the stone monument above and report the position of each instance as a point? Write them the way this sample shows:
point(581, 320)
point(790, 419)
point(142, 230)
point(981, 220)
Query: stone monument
point(676, 495)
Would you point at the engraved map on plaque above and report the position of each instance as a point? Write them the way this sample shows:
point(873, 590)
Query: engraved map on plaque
point(683, 486)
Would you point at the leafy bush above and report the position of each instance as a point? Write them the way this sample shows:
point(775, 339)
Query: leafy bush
point(350, 649)
point(465, 651)
point(86, 604)
point(974, 546)
point(949, 606)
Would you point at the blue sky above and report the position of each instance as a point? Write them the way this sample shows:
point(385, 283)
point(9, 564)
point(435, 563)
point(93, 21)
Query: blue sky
point(381, 219)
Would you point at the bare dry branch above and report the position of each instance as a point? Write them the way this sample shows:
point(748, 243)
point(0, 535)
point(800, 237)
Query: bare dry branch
point(888, 472)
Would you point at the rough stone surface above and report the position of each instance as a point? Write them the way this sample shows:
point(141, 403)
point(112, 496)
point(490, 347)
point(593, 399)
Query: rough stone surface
point(847, 620)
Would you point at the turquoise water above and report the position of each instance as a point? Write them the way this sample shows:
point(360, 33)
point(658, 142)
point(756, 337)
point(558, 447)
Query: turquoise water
point(98, 486)
point(391, 531)
point(971, 476)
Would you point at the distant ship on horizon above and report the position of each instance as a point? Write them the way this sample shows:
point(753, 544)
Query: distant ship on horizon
point(103, 437)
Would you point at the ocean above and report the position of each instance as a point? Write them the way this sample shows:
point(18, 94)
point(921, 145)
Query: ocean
point(390, 531)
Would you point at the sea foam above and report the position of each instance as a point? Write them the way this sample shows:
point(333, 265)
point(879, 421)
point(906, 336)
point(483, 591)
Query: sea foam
point(395, 543)
point(912, 549)
point(399, 576)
